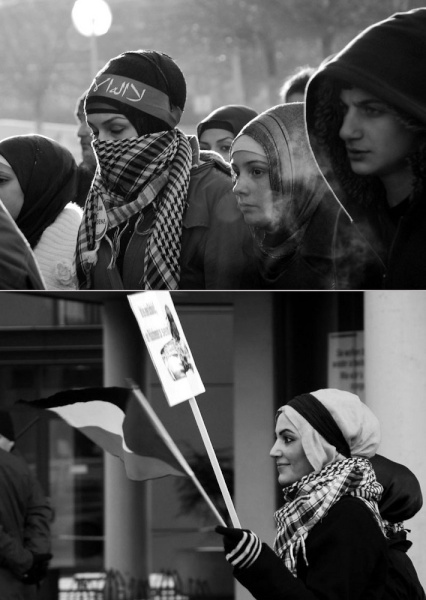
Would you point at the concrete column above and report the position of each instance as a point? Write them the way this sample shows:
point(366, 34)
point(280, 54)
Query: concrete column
point(254, 411)
point(395, 378)
point(127, 507)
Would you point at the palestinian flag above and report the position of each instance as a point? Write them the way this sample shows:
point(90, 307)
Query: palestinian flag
point(121, 423)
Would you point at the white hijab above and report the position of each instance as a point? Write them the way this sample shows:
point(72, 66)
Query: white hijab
point(359, 426)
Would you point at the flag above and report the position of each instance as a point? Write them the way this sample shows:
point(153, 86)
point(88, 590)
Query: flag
point(115, 419)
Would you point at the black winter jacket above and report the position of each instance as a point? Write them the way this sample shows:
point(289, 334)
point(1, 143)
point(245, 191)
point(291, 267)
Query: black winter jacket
point(347, 560)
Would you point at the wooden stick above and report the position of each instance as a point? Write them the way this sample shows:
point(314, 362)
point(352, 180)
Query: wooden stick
point(175, 450)
point(215, 464)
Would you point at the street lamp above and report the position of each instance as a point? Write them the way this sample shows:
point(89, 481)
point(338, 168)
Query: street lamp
point(92, 18)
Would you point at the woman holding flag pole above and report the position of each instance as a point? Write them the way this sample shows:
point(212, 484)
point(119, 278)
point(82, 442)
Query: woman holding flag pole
point(333, 530)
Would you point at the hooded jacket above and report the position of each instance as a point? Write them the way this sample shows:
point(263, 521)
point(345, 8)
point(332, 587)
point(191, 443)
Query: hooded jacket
point(301, 255)
point(386, 60)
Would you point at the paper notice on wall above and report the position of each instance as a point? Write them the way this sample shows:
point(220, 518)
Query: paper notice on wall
point(346, 361)
point(167, 345)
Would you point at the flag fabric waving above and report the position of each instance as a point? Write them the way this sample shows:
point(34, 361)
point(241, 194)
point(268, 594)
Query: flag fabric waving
point(114, 419)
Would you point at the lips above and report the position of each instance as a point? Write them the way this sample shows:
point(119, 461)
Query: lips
point(356, 153)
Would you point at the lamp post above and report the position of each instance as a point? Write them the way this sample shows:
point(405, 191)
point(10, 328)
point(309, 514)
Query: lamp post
point(92, 18)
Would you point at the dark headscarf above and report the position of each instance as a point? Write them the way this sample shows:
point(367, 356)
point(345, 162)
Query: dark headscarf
point(47, 174)
point(232, 118)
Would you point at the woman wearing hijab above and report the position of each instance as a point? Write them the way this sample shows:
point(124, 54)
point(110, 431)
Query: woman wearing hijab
point(291, 211)
point(157, 217)
point(38, 183)
point(331, 539)
point(220, 127)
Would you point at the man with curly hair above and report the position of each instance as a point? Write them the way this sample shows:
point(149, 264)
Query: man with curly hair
point(366, 121)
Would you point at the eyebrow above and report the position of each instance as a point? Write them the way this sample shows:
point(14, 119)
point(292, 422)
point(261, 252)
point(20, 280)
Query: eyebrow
point(253, 162)
point(111, 119)
point(365, 102)
point(286, 431)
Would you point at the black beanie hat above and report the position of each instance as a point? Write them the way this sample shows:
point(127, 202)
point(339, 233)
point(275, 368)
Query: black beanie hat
point(154, 73)
point(6, 426)
point(387, 59)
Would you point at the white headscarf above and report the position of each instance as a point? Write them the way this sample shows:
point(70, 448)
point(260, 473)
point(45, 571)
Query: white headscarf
point(359, 426)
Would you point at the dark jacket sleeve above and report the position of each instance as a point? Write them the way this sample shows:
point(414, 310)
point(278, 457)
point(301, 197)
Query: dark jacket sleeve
point(347, 560)
point(13, 555)
point(37, 521)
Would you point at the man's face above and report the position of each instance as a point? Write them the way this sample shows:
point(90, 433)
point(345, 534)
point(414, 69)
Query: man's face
point(377, 143)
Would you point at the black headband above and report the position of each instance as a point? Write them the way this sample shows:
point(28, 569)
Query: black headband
point(321, 420)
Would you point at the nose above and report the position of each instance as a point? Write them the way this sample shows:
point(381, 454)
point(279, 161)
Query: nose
point(239, 186)
point(275, 450)
point(84, 130)
point(350, 128)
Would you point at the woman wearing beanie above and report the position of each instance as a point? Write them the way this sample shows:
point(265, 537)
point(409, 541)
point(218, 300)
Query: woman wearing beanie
point(156, 216)
point(331, 540)
point(220, 127)
point(366, 120)
point(38, 186)
point(291, 211)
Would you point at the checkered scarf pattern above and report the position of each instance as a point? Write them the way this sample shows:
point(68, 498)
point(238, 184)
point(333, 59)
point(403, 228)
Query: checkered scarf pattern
point(131, 174)
point(309, 500)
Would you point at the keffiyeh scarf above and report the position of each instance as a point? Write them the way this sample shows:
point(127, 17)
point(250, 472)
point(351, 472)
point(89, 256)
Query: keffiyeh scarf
point(132, 174)
point(309, 500)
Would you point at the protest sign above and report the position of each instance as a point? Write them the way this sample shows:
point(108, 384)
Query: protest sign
point(175, 366)
point(167, 345)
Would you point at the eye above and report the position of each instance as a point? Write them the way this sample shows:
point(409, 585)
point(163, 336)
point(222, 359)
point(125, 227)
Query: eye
point(287, 440)
point(258, 172)
point(373, 111)
point(117, 130)
point(226, 148)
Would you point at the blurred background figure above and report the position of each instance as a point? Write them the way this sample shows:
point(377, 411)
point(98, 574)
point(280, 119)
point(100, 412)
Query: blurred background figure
point(87, 167)
point(38, 186)
point(294, 86)
point(25, 517)
point(220, 127)
point(18, 267)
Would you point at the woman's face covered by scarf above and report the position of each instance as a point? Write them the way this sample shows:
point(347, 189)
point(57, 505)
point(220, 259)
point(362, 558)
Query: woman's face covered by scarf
point(276, 180)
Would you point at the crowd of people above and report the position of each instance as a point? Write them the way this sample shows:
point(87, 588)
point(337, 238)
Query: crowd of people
point(323, 191)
